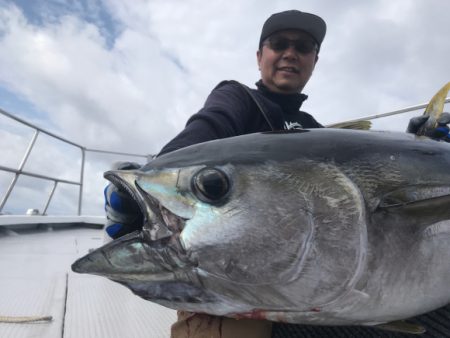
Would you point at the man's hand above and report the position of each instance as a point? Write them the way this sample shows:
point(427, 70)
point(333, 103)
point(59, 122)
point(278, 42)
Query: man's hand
point(122, 212)
point(440, 133)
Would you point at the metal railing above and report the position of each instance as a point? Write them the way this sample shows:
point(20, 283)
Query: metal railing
point(394, 112)
point(19, 171)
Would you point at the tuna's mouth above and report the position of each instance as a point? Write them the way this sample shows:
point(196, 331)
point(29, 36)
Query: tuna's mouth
point(157, 274)
point(153, 262)
point(154, 251)
point(161, 229)
point(160, 226)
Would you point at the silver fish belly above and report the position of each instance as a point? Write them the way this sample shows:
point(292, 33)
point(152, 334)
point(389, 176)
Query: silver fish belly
point(327, 227)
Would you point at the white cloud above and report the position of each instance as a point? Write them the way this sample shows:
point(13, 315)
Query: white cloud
point(66, 69)
point(136, 93)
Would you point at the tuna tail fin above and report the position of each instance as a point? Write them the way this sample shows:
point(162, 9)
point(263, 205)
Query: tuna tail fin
point(360, 125)
point(403, 327)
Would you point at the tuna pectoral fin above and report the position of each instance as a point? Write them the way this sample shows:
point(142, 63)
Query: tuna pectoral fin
point(402, 326)
point(419, 199)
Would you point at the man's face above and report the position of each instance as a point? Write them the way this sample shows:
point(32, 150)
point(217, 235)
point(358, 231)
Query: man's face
point(287, 70)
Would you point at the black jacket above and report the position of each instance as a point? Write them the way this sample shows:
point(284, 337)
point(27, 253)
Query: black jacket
point(230, 111)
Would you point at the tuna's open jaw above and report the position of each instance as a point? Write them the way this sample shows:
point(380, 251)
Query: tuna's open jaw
point(152, 262)
point(156, 274)
point(155, 252)
point(159, 223)
point(122, 259)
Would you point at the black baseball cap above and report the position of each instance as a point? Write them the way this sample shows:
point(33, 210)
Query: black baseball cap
point(294, 19)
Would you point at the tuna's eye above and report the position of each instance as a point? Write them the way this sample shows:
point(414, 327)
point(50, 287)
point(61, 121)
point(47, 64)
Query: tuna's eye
point(211, 185)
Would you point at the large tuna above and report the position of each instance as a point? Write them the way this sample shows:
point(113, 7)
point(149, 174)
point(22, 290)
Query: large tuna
point(319, 226)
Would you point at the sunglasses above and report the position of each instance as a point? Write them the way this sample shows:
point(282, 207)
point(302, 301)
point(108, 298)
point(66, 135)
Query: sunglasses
point(279, 44)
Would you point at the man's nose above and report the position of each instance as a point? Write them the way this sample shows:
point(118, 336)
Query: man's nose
point(290, 52)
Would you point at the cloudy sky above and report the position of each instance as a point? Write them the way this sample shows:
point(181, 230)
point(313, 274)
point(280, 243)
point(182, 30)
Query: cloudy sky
point(126, 75)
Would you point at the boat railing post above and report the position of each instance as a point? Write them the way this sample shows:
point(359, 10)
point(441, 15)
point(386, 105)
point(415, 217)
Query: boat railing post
point(80, 195)
point(55, 183)
point(19, 170)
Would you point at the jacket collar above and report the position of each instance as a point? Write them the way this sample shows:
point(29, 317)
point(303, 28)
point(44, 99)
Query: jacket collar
point(289, 102)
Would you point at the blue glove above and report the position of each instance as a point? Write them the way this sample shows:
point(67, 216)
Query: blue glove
point(122, 212)
point(440, 133)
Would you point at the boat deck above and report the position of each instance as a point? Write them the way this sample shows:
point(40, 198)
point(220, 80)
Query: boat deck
point(36, 281)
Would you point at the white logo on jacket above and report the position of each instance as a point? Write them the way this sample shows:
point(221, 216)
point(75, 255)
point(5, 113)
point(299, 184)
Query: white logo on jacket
point(292, 125)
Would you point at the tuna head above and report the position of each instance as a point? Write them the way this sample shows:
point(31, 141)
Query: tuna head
point(223, 236)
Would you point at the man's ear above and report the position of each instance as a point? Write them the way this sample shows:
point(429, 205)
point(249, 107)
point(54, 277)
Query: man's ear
point(317, 59)
point(258, 58)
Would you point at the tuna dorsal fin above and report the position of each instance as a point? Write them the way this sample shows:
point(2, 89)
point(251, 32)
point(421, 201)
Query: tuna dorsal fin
point(434, 110)
point(403, 327)
point(436, 104)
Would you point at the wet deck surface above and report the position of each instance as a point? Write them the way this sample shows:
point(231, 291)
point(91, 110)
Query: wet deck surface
point(36, 280)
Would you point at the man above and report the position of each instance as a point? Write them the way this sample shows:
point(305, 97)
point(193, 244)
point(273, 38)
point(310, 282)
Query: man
point(287, 54)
